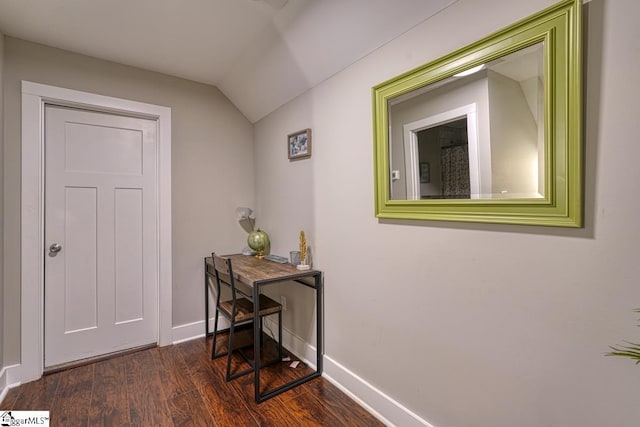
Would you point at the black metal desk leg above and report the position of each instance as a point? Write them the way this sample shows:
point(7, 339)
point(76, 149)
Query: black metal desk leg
point(206, 300)
point(319, 322)
point(259, 397)
point(256, 341)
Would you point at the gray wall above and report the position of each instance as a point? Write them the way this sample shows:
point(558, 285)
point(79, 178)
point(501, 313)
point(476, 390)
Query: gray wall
point(212, 165)
point(514, 139)
point(470, 324)
point(3, 323)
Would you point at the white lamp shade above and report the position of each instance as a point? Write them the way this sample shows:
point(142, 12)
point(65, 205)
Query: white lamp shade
point(244, 213)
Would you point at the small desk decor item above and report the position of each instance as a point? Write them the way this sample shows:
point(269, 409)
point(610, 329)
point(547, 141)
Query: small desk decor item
point(246, 218)
point(304, 265)
point(247, 221)
point(258, 241)
point(295, 257)
point(299, 144)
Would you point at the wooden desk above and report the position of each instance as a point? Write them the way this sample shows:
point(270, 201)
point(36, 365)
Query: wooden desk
point(257, 273)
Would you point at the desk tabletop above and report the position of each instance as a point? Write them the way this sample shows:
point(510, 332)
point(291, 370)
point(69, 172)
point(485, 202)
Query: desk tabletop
point(251, 270)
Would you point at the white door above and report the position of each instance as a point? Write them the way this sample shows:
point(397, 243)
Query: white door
point(101, 282)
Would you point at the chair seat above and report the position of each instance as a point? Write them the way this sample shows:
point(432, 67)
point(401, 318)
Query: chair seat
point(244, 308)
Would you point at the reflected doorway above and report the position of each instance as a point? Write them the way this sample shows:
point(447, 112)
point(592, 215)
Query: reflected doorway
point(443, 153)
point(441, 156)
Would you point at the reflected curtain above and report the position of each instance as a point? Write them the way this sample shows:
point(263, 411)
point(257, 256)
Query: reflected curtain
point(454, 160)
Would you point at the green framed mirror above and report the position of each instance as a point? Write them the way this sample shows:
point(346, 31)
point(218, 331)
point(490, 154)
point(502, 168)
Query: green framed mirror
point(489, 133)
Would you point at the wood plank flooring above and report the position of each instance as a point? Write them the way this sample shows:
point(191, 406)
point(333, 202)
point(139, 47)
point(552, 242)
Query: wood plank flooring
point(180, 386)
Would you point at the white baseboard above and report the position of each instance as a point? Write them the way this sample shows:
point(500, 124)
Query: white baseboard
point(293, 343)
point(6, 381)
point(380, 405)
point(3, 384)
point(194, 330)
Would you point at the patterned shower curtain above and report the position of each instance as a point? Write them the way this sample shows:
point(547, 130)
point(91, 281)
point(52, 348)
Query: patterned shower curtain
point(454, 160)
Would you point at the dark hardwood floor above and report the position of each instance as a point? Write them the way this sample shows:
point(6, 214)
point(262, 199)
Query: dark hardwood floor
point(180, 386)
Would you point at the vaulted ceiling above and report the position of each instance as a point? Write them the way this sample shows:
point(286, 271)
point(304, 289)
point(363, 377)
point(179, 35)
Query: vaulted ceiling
point(259, 53)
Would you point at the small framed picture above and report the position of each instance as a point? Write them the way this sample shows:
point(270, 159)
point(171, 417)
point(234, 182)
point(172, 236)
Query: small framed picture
point(424, 172)
point(299, 144)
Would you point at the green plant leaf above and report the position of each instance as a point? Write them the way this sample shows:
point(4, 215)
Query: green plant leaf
point(630, 350)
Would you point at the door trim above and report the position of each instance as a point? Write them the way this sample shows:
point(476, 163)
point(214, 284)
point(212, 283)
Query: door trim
point(34, 98)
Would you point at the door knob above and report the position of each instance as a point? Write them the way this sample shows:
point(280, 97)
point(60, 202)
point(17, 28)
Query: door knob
point(55, 248)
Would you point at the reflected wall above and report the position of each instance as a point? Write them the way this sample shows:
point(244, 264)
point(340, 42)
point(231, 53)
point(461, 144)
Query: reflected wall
point(495, 114)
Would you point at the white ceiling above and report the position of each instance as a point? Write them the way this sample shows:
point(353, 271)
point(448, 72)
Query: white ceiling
point(259, 53)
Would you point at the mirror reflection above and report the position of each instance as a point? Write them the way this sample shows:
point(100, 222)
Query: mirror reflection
point(476, 135)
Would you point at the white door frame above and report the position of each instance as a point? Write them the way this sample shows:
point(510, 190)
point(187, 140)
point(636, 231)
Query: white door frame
point(34, 98)
point(411, 130)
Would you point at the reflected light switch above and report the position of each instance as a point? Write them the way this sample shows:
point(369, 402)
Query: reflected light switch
point(395, 175)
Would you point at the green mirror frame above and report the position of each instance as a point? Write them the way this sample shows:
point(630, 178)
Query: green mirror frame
point(559, 27)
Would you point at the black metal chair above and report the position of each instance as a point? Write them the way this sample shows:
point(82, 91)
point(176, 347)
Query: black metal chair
point(239, 311)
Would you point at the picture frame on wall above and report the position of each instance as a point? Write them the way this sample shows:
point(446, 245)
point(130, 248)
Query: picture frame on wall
point(299, 144)
point(424, 173)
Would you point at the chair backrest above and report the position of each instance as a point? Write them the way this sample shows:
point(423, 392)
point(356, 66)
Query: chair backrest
point(223, 265)
point(224, 272)
point(224, 275)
